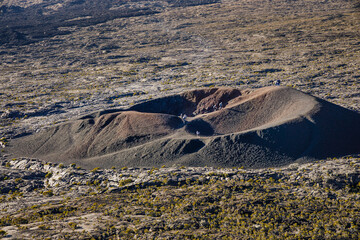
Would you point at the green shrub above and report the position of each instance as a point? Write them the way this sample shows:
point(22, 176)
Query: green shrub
point(125, 182)
point(43, 227)
point(49, 175)
point(73, 225)
point(48, 193)
point(95, 170)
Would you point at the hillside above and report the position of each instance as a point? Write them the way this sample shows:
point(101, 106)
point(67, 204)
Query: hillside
point(71, 62)
point(82, 64)
point(224, 127)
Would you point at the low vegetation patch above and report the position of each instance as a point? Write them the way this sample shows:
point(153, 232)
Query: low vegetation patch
point(225, 204)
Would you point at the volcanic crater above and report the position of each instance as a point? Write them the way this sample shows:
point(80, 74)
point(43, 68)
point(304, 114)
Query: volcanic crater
point(223, 127)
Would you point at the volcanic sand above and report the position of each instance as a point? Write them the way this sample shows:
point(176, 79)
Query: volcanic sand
point(266, 127)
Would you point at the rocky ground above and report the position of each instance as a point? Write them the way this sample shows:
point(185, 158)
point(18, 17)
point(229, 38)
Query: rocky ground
point(52, 201)
point(310, 45)
point(82, 63)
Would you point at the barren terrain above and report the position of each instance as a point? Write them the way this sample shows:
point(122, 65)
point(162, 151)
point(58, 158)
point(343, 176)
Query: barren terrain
point(64, 59)
point(310, 45)
point(223, 127)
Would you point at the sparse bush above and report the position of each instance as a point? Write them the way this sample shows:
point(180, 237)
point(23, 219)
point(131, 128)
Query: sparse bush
point(73, 225)
point(48, 193)
point(49, 175)
point(43, 227)
point(18, 180)
point(125, 182)
point(95, 170)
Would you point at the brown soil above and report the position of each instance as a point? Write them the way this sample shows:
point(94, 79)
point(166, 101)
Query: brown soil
point(266, 127)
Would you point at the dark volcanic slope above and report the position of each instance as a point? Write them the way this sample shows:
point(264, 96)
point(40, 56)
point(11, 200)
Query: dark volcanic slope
point(24, 25)
point(266, 127)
